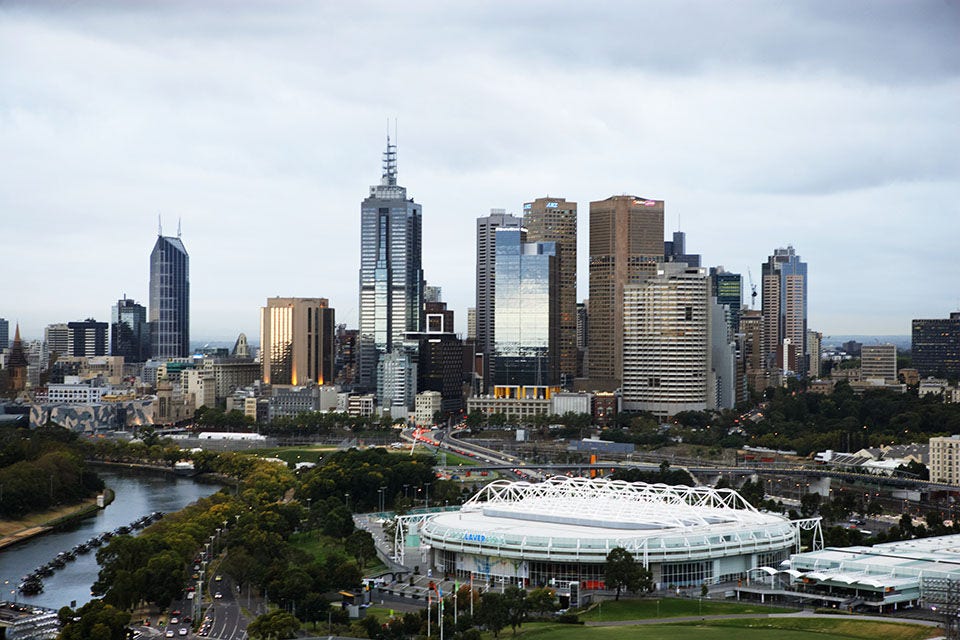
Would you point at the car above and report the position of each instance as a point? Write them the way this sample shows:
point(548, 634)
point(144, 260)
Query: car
point(175, 612)
point(218, 578)
point(168, 634)
point(183, 631)
point(218, 595)
point(174, 620)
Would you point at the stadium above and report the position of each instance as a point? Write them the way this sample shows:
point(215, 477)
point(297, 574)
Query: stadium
point(562, 529)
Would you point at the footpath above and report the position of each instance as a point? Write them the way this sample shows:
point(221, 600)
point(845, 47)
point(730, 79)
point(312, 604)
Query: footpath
point(35, 524)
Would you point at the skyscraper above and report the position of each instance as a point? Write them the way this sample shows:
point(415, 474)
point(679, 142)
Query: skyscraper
point(129, 331)
point(486, 281)
point(676, 250)
point(297, 341)
point(728, 290)
point(555, 220)
point(626, 242)
point(169, 299)
point(4, 334)
point(677, 355)
point(391, 272)
point(526, 326)
point(784, 306)
point(935, 346)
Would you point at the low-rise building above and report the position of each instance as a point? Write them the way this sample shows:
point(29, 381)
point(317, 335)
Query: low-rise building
point(428, 404)
point(945, 459)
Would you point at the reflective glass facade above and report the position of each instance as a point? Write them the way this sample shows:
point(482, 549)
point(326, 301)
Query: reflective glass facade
point(391, 272)
point(526, 322)
point(129, 331)
point(296, 340)
point(169, 299)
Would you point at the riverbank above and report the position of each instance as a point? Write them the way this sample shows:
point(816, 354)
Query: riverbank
point(15, 531)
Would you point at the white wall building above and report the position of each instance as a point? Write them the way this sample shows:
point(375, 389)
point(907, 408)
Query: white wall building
point(428, 403)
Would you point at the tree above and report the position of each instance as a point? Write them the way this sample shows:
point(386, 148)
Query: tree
point(541, 600)
point(515, 603)
point(276, 625)
point(621, 571)
point(492, 613)
point(313, 608)
point(361, 546)
point(97, 621)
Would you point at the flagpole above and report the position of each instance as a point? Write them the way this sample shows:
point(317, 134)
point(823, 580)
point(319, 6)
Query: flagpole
point(471, 597)
point(428, 612)
point(456, 590)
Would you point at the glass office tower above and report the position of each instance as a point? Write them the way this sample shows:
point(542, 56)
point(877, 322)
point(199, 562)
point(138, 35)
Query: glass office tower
point(526, 325)
point(169, 299)
point(391, 272)
point(129, 331)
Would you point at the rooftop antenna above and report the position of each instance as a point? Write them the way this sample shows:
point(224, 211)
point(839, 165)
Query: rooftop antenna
point(389, 162)
point(178, 227)
point(159, 226)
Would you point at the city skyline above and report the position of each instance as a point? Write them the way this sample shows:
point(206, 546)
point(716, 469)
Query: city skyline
point(828, 128)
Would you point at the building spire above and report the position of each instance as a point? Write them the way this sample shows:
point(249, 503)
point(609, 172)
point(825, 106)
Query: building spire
point(389, 162)
point(159, 226)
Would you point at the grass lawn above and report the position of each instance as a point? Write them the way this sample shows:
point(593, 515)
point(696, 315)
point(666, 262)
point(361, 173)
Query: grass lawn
point(744, 629)
point(647, 608)
point(320, 547)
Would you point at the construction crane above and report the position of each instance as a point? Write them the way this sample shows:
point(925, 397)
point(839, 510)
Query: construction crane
point(753, 289)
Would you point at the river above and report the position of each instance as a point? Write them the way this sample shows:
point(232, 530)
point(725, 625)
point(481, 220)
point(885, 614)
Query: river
point(137, 494)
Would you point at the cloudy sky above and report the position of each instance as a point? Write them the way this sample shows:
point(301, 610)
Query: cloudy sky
point(831, 126)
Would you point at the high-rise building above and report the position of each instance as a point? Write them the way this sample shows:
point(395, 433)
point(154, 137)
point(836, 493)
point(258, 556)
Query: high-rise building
point(4, 334)
point(486, 282)
point(345, 363)
point(169, 311)
point(814, 347)
point(472, 323)
point(57, 338)
point(432, 293)
point(677, 353)
point(676, 250)
point(526, 325)
point(935, 346)
point(784, 306)
point(555, 220)
point(129, 331)
point(87, 338)
point(241, 348)
point(391, 272)
point(879, 361)
point(397, 382)
point(728, 290)
point(296, 341)
point(440, 365)
point(751, 348)
point(626, 243)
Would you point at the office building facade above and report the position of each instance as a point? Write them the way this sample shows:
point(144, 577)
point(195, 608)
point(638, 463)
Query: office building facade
point(391, 272)
point(129, 331)
point(626, 243)
point(4, 334)
point(677, 354)
point(784, 307)
point(935, 346)
point(297, 341)
point(169, 305)
point(526, 319)
point(87, 338)
point(57, 339)
point(555, 220)
point(879, 361)
point(486, 283)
